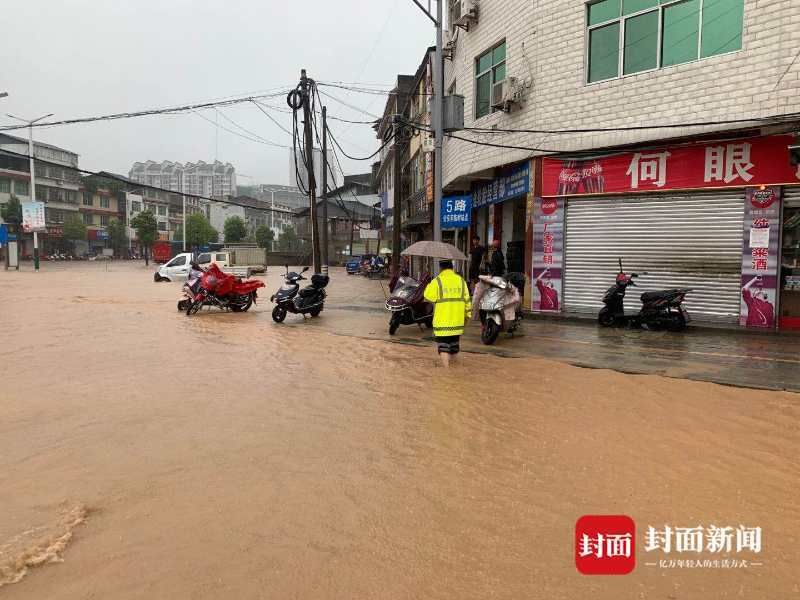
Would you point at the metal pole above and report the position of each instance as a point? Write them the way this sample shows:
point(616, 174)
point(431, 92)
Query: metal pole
point(438, 127)
point(33, 196)
point(312, 184)
point(397, 221)
point(183, 199)
point(325, 190)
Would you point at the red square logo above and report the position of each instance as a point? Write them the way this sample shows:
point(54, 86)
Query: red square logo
point(605, 545)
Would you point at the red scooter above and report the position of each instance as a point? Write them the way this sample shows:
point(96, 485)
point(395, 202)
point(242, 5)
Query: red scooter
point(217, 288)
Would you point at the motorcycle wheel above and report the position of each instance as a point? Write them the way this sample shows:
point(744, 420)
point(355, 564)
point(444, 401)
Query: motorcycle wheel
point(314, 312)
point(606, 318)
point(183, 305)
point(193, 307)
point(428, 323)
point(278, 314)
point(678, 323)
point(394, 323)
point(245, 306)
point(490, 332)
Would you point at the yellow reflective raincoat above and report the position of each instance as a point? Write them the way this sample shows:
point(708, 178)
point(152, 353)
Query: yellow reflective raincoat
point(451, 305)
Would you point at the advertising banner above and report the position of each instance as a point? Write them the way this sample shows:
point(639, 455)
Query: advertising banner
point(762, 214)
point(515, 183)
point(33, 217)
point(456, 212)
point(731, 163)
point(548, 254)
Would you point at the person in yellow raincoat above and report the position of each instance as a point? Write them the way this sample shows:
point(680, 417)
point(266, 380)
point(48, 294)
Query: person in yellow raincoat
point(449, 295)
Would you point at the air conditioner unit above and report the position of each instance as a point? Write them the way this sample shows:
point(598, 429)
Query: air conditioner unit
point(465, 12)
point(503, 94)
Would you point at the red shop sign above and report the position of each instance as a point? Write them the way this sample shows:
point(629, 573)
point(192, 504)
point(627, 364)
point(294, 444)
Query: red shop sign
point(731, 163)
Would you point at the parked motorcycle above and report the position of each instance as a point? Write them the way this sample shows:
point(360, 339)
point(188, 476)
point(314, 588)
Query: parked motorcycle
point(191, 286)
point(291, 299)
point(407, 303)
point(660, 310)
point(496, 302)
point(217, 288)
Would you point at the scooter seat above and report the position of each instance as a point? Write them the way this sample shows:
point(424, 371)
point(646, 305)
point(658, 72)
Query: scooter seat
point(308, 292)
point(648, 297)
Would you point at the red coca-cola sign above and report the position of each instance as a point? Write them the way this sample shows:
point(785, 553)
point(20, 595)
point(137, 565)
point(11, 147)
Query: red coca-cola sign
point(549, 206)
point(762, 199)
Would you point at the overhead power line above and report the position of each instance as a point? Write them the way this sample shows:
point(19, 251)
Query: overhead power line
point(132, 184)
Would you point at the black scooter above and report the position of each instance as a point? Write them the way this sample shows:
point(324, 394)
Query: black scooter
point(291, 299)
point(660, 310)
point(407, 304)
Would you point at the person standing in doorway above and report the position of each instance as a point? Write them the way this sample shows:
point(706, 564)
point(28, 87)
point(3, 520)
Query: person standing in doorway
point(476, 254)
point(449, 295)
point(497, 265)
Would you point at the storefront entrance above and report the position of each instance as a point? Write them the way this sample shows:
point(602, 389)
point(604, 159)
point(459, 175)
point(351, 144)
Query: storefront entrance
point(790, 261)
point(691, 240)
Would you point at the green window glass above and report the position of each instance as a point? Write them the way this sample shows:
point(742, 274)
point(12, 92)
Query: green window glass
point(484, 63)
point(500, 72)
point(483, 96)
point(602, 11)
point(604, 52)
point(723, 21)
point(499, 54)
point(681, 33)
point(5, 186)
point(632, 6)
point(641, 43)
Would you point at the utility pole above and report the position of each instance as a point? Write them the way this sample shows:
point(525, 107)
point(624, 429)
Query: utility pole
point(438, 126)
point(33, 181)
point(396, 195)
point(305, 84)
point(183, 199)
point(324, 190)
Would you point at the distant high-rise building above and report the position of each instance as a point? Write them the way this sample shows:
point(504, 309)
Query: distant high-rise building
point(212, 180)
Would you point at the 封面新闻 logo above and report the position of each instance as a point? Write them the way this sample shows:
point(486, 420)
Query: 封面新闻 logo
point(605, 544)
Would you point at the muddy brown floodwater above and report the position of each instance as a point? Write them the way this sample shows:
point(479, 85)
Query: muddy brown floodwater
point(144, 454)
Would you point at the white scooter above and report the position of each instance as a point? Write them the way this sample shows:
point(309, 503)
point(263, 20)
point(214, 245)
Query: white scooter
point(496, 301)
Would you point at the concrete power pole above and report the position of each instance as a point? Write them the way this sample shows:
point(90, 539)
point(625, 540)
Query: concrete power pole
point(438, 128)
point(305, 85)
point(397, 210)
point(325, 190)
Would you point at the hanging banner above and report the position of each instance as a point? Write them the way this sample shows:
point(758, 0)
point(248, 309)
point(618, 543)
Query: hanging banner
point(456, 212)
point(548, 254)
point(515, 183)
point(762, 232)
point(732, 163)
point(33, 217)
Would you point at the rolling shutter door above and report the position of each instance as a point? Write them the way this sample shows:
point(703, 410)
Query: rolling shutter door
point(687, 240)
point(791, 196)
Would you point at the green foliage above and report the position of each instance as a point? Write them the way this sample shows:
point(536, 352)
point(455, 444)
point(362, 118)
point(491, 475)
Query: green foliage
point(74, 228)
point(198, 230)
point(12, 213)
point(235, 229)
point(289, 241)
point(264, 237)
point(117, 235)
point(146, 228)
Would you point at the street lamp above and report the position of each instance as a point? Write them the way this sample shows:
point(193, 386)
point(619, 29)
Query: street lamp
point(33, 180)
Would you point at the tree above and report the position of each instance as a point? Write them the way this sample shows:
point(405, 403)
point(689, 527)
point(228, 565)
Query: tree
point(12, 213)
point(289, 241)
point(74, 229)
point(198, 230)
point(235, 229)
point(117, 235)
point(146, 228)
point(264, 237)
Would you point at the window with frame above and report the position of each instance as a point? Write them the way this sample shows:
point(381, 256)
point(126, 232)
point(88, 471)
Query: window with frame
point(631, 36)
point(104, 219)
point(105, 202)
point(490, 69)
point(22, 188)
point(162, 225)
point(162, 210)
point(88, 219)
point(5, 186)
point(87, 199)
point(136, 206)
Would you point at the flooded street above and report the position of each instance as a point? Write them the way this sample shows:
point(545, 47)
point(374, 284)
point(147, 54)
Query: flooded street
point(144, 454)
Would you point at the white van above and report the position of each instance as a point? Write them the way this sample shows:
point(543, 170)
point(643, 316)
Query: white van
point(177, 269)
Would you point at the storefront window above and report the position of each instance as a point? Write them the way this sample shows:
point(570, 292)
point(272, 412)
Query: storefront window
point(790, 268)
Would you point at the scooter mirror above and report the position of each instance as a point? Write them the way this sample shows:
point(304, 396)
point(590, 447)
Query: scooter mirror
point(304, 269)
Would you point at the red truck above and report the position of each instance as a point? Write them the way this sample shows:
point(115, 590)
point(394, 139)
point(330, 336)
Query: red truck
point(162, 251)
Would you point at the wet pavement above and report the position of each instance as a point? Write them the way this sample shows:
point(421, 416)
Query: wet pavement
point(145, 454)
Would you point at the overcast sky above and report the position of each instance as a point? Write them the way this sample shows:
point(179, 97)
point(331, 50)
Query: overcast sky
point(79, 58)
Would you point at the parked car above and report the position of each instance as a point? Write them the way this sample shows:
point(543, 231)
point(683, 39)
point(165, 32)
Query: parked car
point(353, 265)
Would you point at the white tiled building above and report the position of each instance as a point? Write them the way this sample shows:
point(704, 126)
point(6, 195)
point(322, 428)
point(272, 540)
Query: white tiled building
point(212, 180)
